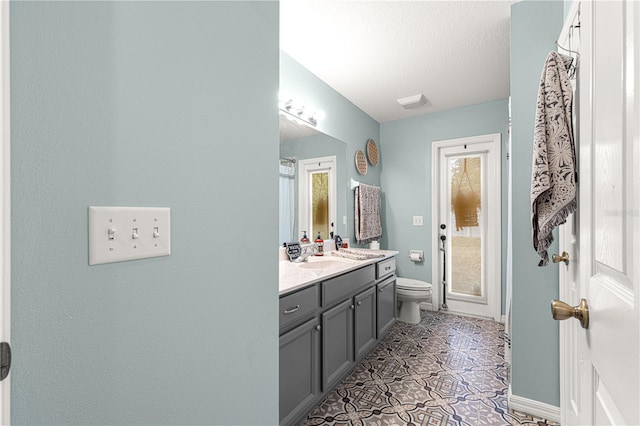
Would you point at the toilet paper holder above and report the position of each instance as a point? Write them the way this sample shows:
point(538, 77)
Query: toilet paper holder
point(416, 255)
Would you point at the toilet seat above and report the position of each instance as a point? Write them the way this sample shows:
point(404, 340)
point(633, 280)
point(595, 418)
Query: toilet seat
point(411, 284)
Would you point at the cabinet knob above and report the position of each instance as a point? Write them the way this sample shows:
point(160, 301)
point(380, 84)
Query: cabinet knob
point(359, 302)
point(318, 327)
point(379, 290)
point(352, 307)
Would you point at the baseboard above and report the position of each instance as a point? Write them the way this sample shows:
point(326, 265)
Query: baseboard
point(535, 408)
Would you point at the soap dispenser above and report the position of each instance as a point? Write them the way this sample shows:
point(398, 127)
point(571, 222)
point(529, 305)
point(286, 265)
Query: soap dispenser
point(319, 245)
point(304, 239)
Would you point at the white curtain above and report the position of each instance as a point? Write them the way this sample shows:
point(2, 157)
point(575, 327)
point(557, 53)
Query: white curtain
point(287, 202)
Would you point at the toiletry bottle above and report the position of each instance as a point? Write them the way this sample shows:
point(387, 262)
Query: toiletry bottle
point(319, 245)
point(304, 238)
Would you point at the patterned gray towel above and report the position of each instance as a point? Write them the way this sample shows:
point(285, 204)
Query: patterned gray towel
point(367, 213)
point(553, 177)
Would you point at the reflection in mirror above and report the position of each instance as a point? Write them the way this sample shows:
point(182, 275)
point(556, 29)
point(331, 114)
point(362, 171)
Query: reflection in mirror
point(317, 196)
point(299, 143)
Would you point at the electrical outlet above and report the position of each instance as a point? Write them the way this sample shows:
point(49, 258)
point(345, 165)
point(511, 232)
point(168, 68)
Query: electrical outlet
point(126, 233)
point(417, 221)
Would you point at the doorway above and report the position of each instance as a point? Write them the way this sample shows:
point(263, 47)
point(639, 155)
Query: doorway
point(467, 225)
point(317, 197)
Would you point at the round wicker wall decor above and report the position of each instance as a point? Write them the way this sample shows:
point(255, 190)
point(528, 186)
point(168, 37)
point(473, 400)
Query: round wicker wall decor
point(372, 152)
point(361, 163)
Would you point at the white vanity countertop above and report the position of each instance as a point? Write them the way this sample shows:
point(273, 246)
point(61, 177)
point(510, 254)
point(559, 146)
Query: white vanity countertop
point(294, 276)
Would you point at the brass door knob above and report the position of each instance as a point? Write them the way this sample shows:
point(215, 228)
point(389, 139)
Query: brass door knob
point(561, 311)
point(562, 258)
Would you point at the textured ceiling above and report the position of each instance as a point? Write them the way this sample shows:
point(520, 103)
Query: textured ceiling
point(373, 52)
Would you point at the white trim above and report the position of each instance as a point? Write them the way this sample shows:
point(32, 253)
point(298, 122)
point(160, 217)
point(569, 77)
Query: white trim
point(533, 407)
point(5, 182)
point(494, 218)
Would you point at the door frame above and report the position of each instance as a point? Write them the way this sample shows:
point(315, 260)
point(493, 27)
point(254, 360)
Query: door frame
point(494, 217)
point(5, 218)
point(568, 275)
point(305, 167)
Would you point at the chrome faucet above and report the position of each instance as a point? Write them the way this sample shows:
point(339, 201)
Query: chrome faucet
point(306, 253)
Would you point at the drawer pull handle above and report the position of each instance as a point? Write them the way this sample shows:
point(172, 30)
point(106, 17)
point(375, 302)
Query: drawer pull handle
point(387, 268)
point(291, 310)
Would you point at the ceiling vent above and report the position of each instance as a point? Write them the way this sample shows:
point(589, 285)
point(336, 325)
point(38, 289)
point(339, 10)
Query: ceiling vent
point(412, 101)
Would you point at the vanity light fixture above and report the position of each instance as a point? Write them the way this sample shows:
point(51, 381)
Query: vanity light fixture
point(413, 101)
point(298, 110)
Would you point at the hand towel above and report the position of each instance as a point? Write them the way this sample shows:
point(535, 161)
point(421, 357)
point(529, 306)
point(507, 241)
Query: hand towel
point(553, 177)
point(358, 254)
point(367, 213)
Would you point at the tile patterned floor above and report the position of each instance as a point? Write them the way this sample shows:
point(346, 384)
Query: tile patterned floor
point(446, 370)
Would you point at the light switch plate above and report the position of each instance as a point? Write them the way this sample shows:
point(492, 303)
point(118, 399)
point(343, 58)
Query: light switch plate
point(126, 233)
point(417, 221)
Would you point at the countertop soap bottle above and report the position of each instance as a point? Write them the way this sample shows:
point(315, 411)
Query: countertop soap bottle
point(319, 245)
point(304, 238)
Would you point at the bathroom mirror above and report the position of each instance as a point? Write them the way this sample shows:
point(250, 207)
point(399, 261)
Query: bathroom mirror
point(301, 142)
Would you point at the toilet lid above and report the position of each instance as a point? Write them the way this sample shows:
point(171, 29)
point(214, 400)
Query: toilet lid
point(411, 284)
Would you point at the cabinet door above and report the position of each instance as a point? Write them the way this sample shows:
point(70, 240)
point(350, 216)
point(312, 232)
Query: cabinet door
point(299, 370)
point(386, 306)
point(365, 321)
point(337, 343)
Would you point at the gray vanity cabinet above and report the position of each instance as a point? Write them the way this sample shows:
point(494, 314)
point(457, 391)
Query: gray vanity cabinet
point(326, 328)
point(386, 305)
point(365, 322)
point(299, 370)
point(337, 343)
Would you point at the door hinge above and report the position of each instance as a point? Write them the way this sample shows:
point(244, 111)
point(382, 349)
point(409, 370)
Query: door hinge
point(5, 360)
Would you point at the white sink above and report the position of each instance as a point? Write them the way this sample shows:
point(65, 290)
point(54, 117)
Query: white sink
point(319, 263)
point(323, 264)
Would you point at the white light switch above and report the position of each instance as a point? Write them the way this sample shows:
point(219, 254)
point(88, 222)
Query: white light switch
point(126, 233)
point(417, 221)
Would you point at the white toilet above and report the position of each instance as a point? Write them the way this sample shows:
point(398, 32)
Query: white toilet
point(410, 294)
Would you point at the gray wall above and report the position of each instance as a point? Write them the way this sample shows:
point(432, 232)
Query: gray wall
point(406, 176)
point(535, 25)
point(344, 121)
point(145, 104)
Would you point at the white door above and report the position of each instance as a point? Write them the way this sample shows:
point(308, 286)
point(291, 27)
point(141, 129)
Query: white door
point(466, 263)
point(600, 365)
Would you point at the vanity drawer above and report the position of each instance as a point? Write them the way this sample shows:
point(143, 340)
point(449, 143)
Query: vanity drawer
point(386, 267)
point(338, 288)
point(298, 305)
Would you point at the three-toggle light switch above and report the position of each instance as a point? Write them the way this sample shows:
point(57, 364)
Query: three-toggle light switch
point(125, 233)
